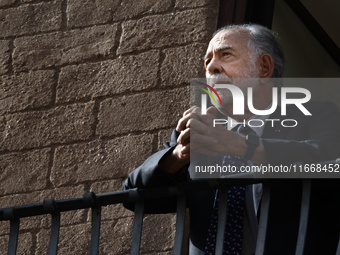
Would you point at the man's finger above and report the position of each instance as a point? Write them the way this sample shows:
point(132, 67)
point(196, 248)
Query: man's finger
point(184, 137)
point(182, 123)
point(199, 148)
point(198, 127)
point(188, 111)
point(204, 151)
point(212, 110)
point(208, 119)
point(203, 140)
point(186, 149)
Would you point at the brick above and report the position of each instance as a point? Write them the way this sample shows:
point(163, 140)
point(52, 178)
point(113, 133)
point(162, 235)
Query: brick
point(4, 57)
point(38, 197)
point(26, 91)
point(174, 69)
point(180, 4)
point(99, 160)
point(27, 224)
point(25, 244)
point(23, 172)
point(141, 112)
point(6, 3)
point(73, 239)
point(59, 125)
point(115, 237)
point(130, 9)
point(44, 221)
point(28, 19)
point(2, 127)
point(111, 212)
point(107, 186)
point(55, 49)
point(89, 12)
point(4, 230)
point(131, 73)
point(181, 28)
point(4, 243)
point(158, 232)
point(164, 136)
point(159, 253)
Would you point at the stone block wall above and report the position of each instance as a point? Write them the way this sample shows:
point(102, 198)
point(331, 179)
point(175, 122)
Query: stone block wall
point(88, 90)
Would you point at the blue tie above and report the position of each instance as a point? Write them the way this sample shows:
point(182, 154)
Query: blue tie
point(234, 224)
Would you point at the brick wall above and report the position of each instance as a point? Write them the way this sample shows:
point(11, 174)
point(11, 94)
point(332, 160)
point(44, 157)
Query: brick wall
point(88, 90)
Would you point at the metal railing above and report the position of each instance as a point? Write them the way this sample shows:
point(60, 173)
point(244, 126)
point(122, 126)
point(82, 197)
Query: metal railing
point(96, 201)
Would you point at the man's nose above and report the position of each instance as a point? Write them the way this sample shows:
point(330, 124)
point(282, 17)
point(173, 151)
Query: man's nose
point(214, 66)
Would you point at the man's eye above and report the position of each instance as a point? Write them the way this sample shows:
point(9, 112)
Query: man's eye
point(207, 62)
point(225, 53)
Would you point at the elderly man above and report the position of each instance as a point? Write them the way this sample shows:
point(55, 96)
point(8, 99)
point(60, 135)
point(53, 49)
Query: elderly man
point(234, 52)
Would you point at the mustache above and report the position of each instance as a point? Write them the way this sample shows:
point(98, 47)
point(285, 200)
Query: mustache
point(219, 78)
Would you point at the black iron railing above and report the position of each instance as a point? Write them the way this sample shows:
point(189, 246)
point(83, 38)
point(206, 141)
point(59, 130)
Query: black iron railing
point(96, 201)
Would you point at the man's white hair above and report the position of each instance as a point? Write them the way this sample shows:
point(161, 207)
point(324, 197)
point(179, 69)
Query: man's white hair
point(262, 41)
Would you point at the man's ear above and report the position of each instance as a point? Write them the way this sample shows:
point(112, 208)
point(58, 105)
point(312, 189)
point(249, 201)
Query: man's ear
point(266, 66)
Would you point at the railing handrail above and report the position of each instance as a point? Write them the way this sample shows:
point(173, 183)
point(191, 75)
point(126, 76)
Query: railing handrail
point(90, 199)
point(138, 196)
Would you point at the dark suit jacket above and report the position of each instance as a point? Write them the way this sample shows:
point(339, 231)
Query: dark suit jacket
point(316, 138)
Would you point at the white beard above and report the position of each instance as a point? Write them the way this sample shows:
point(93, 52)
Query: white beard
point(247, 78)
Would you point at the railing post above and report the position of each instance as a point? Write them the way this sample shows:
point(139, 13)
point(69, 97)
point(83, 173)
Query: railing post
point(137, 222)
point(222, 218)
point(137, 228)
point(51, 207)
point(90, 200)
point(95, 233)
point(9, 214)
point(304, 214)
point(180, 222)
point(262, 232)
point(13, 237)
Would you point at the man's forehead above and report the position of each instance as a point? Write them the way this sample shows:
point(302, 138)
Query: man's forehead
point(228, 37)
point(231, 33)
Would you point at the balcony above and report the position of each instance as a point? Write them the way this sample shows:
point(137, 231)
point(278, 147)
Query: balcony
point(138, 196)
